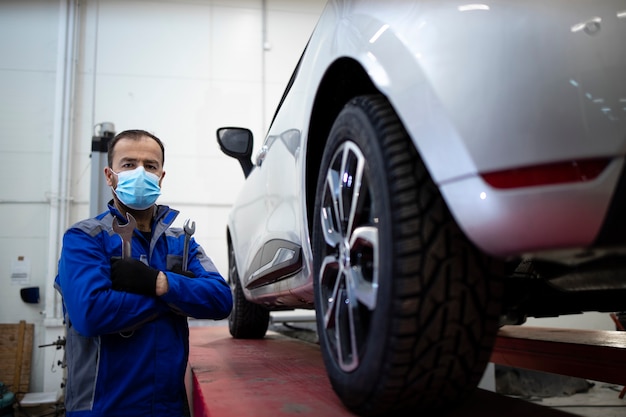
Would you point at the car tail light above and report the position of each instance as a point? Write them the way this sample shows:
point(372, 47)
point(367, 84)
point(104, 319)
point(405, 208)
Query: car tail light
point(557, 173)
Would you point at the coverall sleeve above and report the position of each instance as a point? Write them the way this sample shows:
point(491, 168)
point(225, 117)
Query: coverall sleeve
point(207, 296)
point(84, 280)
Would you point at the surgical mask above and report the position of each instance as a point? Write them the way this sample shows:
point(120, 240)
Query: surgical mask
point(137, 188)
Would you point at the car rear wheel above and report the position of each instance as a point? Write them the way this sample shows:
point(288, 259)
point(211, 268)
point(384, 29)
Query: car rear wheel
point(247, 320)
point(407, 308)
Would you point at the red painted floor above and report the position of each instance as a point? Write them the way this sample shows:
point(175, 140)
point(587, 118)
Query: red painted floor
point(280, 376)
point(273, 377)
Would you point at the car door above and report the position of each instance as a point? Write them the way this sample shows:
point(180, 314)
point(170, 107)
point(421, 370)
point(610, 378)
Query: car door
point(265, 220)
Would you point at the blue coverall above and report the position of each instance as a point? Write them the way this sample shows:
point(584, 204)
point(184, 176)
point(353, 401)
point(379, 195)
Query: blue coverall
point(127, 353)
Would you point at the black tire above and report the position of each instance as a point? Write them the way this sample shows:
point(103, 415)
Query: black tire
point(247, 320)
point(407, 308)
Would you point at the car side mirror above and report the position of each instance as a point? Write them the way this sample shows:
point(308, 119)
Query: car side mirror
point(236, 142)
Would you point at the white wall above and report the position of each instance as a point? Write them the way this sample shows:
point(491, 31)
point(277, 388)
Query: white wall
point(179, 69)
point(28, 54)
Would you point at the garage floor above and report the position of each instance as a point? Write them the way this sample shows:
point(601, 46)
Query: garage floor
point(602, 400)
point(283, 375)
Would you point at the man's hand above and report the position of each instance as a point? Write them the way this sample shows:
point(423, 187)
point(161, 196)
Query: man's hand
point(162, 284)
point(132, 275)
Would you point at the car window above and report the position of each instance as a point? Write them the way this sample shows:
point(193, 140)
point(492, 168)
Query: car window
point(290, 83)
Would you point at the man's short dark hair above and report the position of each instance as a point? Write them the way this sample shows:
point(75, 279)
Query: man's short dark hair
point(133, 134)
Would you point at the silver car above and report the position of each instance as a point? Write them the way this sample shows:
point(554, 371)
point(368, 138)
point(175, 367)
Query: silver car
point(436, 169)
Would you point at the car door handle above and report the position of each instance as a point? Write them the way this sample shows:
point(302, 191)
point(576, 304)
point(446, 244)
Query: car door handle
point(260, 157)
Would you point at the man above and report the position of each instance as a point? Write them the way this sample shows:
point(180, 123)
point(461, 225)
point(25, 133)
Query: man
point(126, 319)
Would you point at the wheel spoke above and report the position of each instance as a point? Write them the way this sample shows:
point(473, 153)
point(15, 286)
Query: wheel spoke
point(346, 337)
point(338, 315)
point(353, 165)
point(330, 217)
point(364, 244)
point(329, 275)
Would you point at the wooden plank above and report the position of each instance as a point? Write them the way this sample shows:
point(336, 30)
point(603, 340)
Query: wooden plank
point(590, 354)
point(16, 344)
point(27, 358)
point(19, 354)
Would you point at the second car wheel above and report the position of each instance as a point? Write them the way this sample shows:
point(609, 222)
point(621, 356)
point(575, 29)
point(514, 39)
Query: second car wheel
point(247, 320)
point(407, 308)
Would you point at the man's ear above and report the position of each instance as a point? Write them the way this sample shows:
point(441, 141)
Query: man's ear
point(108, 176)
point(161, 179)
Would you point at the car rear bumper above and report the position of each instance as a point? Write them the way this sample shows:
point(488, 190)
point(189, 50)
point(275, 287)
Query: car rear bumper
point(554, 222)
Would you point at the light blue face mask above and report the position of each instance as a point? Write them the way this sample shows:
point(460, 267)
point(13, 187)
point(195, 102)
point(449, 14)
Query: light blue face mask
point(137, 189)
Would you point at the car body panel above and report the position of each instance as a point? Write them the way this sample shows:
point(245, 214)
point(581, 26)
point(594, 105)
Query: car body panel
point(480, 88)
point(266, 210)
point(493, 85)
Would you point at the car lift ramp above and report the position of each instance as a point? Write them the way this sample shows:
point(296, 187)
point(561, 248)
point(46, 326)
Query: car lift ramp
point(599, 355)
point(281, 376)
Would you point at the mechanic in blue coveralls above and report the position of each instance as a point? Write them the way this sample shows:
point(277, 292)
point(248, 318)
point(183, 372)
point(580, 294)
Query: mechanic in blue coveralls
point(127, 333)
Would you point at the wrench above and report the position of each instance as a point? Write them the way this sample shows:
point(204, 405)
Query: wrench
point(189, 230)
point(126, 233)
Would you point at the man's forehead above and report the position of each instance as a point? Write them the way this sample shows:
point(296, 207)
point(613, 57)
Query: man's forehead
point(145, 149)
